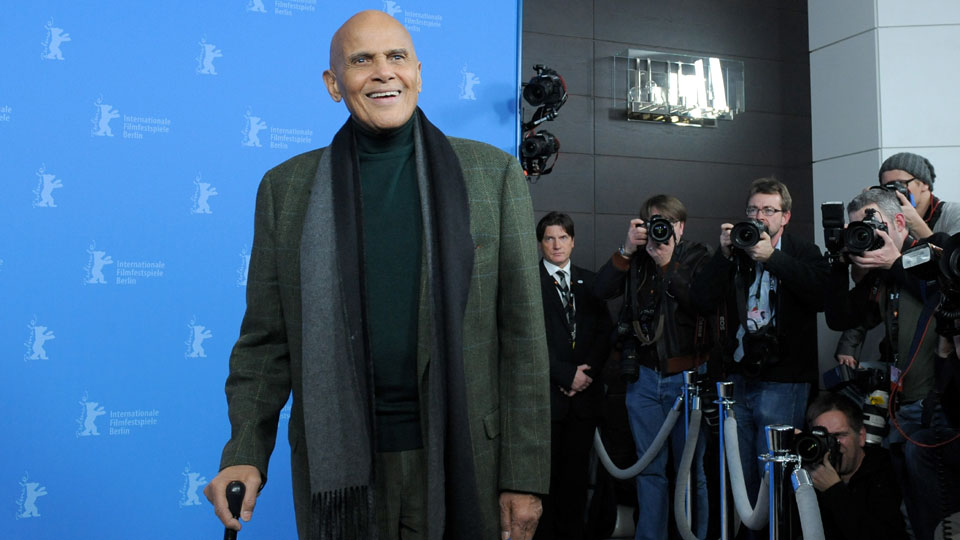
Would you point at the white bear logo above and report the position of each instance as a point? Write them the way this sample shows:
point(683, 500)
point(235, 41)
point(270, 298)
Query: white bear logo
point(40, 336)
point(198, 334)
point(91, 411)
point(55, 36)
point(467, 82)
point(255, 125)
point(208, 52)
point(391, 7)
point(256, 6)
point(192, 482)
point(201, 196)
point(98, 259)
point(47, 183)
point(29, 493)
point(101, 120)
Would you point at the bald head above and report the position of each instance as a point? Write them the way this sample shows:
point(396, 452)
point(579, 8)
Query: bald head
point(374, 69)
point(372, 19)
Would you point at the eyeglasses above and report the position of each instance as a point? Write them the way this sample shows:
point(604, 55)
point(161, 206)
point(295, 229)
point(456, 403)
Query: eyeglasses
point(766, 210)
point(904, 181)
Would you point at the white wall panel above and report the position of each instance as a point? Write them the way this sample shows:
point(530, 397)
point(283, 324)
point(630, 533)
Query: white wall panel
point(844, 97)
point(915, 12)
point(918, 85)
point(833, 20)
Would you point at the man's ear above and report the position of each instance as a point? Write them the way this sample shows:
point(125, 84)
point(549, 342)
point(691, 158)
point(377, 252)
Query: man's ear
point(330, 80)
point(786, 218)
point(901, 222)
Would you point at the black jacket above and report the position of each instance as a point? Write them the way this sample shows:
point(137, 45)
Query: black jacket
point(802, 273)
point(594, 330)
point(683, 345)
point(909, 337)
point(867, 507)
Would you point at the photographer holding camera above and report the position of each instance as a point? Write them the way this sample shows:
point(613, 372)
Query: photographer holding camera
point(910, 177)
point(905, 304)
point(660, 334)
point(859, 497)
point(771, 289)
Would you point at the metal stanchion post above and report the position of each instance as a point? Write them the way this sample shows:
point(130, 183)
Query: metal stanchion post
point(725, 401)
point(779, 464)
point(691, 401)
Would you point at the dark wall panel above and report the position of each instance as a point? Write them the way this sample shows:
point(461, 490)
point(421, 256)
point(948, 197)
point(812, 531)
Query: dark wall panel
point(608, 166)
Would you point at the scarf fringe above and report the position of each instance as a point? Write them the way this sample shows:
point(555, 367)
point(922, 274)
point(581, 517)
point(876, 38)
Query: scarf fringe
point(341, 514)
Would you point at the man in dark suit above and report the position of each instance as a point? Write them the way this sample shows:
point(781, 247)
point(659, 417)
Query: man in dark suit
point(578, 337)
point(393, 291)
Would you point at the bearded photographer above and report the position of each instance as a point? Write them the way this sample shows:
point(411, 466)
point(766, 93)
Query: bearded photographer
point(660, 334)
point(768, 295)
point(886, 293)
point(859, 497)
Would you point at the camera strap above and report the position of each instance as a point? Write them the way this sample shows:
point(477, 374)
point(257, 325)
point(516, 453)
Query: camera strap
point(893, 321)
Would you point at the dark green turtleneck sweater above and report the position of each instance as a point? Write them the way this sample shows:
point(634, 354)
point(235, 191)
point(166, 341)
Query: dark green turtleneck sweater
point(392, 232)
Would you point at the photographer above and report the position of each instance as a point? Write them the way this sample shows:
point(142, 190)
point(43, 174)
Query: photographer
point(910, 177)
point(660, 335)
point(859, 498)
point(925, 213)
point(905, 305)
point(771, 290)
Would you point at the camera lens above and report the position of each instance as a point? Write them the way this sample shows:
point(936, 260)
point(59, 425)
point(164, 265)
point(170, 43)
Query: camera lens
point(858, 237)
point(746, 234)
point(660, 229)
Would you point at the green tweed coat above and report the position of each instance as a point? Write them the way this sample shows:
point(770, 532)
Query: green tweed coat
point(505, 355)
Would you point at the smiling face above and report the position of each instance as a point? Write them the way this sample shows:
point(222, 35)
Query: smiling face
point(374, 69)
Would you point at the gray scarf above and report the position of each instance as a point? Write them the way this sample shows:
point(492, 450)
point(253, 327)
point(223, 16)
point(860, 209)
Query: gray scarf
point(338, 401)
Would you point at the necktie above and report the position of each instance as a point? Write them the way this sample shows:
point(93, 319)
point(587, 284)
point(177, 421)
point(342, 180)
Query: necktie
point(566, 295)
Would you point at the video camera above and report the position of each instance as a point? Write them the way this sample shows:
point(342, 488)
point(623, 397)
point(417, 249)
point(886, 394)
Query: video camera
point(813, 445)
point(868, 387)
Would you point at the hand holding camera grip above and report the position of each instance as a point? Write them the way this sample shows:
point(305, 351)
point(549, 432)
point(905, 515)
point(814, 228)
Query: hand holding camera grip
point(235, 493)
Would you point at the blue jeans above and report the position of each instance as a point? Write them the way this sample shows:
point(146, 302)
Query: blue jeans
point(648, 401)
point(758, 405)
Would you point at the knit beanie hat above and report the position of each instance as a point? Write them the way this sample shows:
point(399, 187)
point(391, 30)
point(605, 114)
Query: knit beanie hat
point(918, 166)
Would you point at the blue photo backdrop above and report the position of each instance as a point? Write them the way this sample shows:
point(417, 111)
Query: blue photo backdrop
point(132, 139)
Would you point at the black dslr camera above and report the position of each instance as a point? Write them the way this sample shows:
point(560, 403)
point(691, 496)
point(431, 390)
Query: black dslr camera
point(812, 445)
point(746, 234)
point(899, 187)
point(861, 236)
point(545, 88)
point(869, 388)
point(659, 229)
point(858, 237)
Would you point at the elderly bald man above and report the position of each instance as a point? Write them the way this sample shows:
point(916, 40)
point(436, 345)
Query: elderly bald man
point(393, 289)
